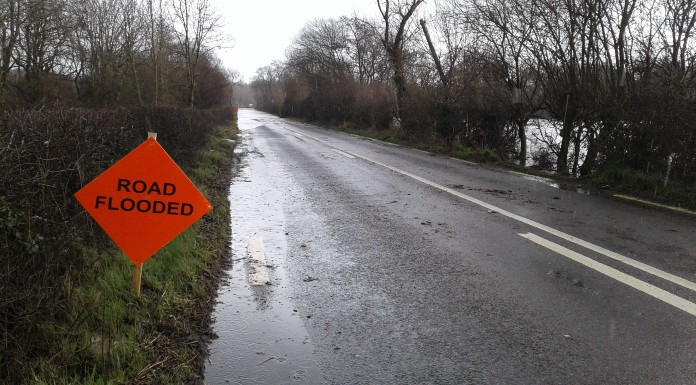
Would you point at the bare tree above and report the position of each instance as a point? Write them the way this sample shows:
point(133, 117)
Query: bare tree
point(197, 29)
point(366, 51)
point(322, 49)
point(433, 53)
point(396, 16)
point(448, 46)
point(157, 34)
point(504, 29)
point(133, 40)
point(566, 45)
point(680, 21)
point(267, 87)
point(99, 38)
point(613, 58)
point(9, 34)
point(42, 46)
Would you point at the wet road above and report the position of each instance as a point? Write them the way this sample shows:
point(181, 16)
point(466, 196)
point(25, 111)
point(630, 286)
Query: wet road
point(387, 265)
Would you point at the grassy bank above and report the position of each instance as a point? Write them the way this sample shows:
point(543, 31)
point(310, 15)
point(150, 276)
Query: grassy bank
point(481, 155)
point(645, 186)
point(106, 335)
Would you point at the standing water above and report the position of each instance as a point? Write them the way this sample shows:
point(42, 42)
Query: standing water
point(261, 338)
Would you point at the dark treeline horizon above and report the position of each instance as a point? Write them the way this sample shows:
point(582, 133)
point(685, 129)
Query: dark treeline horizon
point(105, 53)
point(615, 79)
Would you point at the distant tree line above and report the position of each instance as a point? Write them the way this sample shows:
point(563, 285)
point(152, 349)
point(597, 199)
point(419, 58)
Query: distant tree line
point(615, 79)
point(99, 53)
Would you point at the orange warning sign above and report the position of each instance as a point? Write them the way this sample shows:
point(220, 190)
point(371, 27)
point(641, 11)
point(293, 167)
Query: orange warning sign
point(143, 201)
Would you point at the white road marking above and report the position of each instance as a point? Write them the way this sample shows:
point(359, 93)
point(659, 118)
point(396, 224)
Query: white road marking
point(343, 153)
point(533, 177)
point(256, 270)
point(634, 199)
point(464, 161)
point(651, 290)
point(598, 249)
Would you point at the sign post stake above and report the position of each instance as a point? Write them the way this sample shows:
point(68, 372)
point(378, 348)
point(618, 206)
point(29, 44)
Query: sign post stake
point(137, 275)
point(138, 271)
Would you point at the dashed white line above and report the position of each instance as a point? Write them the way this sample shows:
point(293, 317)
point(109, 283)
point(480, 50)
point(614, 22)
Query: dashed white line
point(256, 268)
point(624, 278)
point(347, 155)
point(533, 177)
point(464, 161)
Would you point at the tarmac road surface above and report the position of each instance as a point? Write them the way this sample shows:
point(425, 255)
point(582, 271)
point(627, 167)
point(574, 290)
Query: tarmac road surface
point(377, 264)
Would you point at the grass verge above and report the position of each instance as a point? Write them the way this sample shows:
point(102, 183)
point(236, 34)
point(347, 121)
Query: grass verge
point(481, 155)
point(106, 335)
point(645, 186)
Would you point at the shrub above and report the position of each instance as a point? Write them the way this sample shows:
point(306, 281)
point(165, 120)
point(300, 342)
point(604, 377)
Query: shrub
point(45, 157)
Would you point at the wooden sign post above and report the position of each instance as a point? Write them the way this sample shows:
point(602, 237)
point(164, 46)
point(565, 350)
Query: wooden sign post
point(138, 269)
point(142, 202)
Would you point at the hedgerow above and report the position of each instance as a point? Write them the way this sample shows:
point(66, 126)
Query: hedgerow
point(45, 236)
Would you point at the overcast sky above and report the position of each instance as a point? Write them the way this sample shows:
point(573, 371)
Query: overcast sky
point(263, 29)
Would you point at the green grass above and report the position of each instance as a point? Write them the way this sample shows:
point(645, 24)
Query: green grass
point(646, 186)
point(107, 335)
point(481, 155)
point(385, 136)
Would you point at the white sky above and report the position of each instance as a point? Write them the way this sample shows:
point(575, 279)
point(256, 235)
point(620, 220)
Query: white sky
point(263, 29)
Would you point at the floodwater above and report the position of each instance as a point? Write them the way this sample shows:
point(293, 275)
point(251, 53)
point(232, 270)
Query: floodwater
point(261, 338)
point(541, 132)
point(561, 186)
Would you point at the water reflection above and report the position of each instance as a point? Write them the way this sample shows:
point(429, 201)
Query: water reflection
point(261, 339)
point(562, 186)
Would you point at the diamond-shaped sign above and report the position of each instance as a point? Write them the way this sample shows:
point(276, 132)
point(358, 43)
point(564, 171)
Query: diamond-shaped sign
point(143, 201)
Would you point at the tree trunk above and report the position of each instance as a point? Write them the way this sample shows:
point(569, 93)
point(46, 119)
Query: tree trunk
point(566, 134)
point(136, 80)
point(433, 53)
point(192, 95)
point(399, 83)
point(395, 46)
point(592, 151)
point(522, 133)
point(576, 155)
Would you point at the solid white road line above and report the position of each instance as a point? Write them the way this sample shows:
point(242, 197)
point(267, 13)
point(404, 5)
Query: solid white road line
point(257, 271)
point(598, 249)
point(624, 278)
point(349, 156)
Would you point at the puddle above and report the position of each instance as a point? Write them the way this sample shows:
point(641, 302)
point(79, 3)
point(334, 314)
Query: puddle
point(261, 339)
point(570, 187)
point(562, 186)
